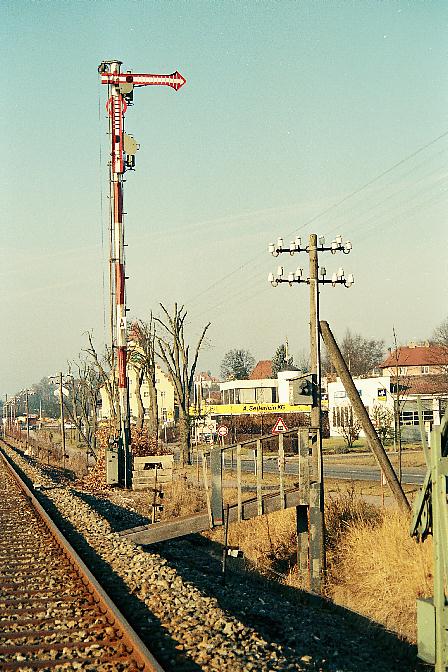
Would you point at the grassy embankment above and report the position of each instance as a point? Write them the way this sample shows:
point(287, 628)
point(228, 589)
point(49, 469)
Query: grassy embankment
point(374, 566)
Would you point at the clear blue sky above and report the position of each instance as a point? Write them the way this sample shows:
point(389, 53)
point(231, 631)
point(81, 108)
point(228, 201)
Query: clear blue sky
point(288, 108)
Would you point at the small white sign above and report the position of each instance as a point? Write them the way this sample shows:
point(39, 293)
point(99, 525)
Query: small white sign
point(223, 430)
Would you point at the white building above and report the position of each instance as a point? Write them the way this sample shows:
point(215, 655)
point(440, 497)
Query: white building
point(381, 392)
point(165, 397)
point(290, 387)
point(373, 392)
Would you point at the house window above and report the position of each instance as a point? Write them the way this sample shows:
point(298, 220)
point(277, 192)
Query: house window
point(146, 394)
point(425, 369)
point(247, 395)
point(402, 370)
point(164, 415)
point(263, 395)
point(411, 417)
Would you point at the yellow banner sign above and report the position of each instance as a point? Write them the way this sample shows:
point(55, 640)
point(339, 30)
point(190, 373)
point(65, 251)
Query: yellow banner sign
point(249, 409)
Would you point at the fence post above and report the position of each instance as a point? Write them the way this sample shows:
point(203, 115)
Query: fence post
point(281, 462)
point(259, 471)
point(238, 480)
point(302, 524)
point(216, 469)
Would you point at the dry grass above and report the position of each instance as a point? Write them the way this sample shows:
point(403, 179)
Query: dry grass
point(374, 567)
point(78, 464)
point(380, 571)
point(182, 498)
point(344, 511)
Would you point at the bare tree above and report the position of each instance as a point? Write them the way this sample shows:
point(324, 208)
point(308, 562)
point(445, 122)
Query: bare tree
point(142, 357)
point(440, 333)
point(360, 354)
point(347, 424)
point(303, 361)
point(383, 419)
point(81, 408)
point(104, 369)
point(174, 352)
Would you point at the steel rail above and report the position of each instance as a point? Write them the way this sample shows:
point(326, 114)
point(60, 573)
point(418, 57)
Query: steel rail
point(137, 649)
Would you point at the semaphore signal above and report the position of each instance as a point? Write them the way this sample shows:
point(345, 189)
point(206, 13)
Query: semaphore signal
point(123, 148)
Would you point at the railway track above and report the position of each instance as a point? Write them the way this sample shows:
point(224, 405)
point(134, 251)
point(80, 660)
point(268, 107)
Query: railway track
point(54, 615)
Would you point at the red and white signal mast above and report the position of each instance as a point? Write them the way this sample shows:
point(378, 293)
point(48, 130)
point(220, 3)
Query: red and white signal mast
point(123, 148)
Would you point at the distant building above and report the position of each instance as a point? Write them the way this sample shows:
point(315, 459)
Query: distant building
point(165, 397)
point(416, 360)
point(382, 391)
point(206, 379)
point(262, 370)
point(290, 388)
point(373, 392)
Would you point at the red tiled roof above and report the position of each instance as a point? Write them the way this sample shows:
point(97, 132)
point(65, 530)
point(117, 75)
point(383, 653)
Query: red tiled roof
point(423, 384)
point(420, 355)
point(263, 369)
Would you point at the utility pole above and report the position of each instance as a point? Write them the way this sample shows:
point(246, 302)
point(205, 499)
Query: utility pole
point(61, 410)
point(123, 148)
point(5, 416)
point(361, 412)
point(317, 522)
point(397, 426)
point(27, 417)
point(59, 380)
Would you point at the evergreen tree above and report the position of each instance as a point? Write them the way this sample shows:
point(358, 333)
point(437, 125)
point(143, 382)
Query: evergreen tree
point(281, 362)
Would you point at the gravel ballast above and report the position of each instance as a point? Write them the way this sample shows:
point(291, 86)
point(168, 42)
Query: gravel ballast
point(174, 597)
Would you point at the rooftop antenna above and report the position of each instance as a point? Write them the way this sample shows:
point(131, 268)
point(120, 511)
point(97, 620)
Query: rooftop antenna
point(123, 149)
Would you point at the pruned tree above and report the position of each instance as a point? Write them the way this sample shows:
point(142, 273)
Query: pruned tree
point(104, 368)
point(175, 353)
point(142, 357)
point(237, 365)
point(360, 354)
point(347, 424)
point(81, 406)
point(383, 419)
point(281, 361)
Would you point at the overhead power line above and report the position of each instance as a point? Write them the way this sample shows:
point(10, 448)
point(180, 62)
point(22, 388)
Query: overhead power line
point(327, 210)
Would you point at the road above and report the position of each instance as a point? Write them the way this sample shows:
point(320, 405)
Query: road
point(414, 475)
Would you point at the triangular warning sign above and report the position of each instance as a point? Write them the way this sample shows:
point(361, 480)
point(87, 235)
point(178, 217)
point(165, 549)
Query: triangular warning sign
point(279, 426)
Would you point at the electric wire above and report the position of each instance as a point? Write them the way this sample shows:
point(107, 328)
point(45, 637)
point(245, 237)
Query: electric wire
point(103, 281)
point(326, 211)
point(379, 224)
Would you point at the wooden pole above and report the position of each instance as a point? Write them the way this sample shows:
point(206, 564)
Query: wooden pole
point(238, 481)
point(317, 522)
point(27, 419)
point(61, 404)
point(363, 417)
